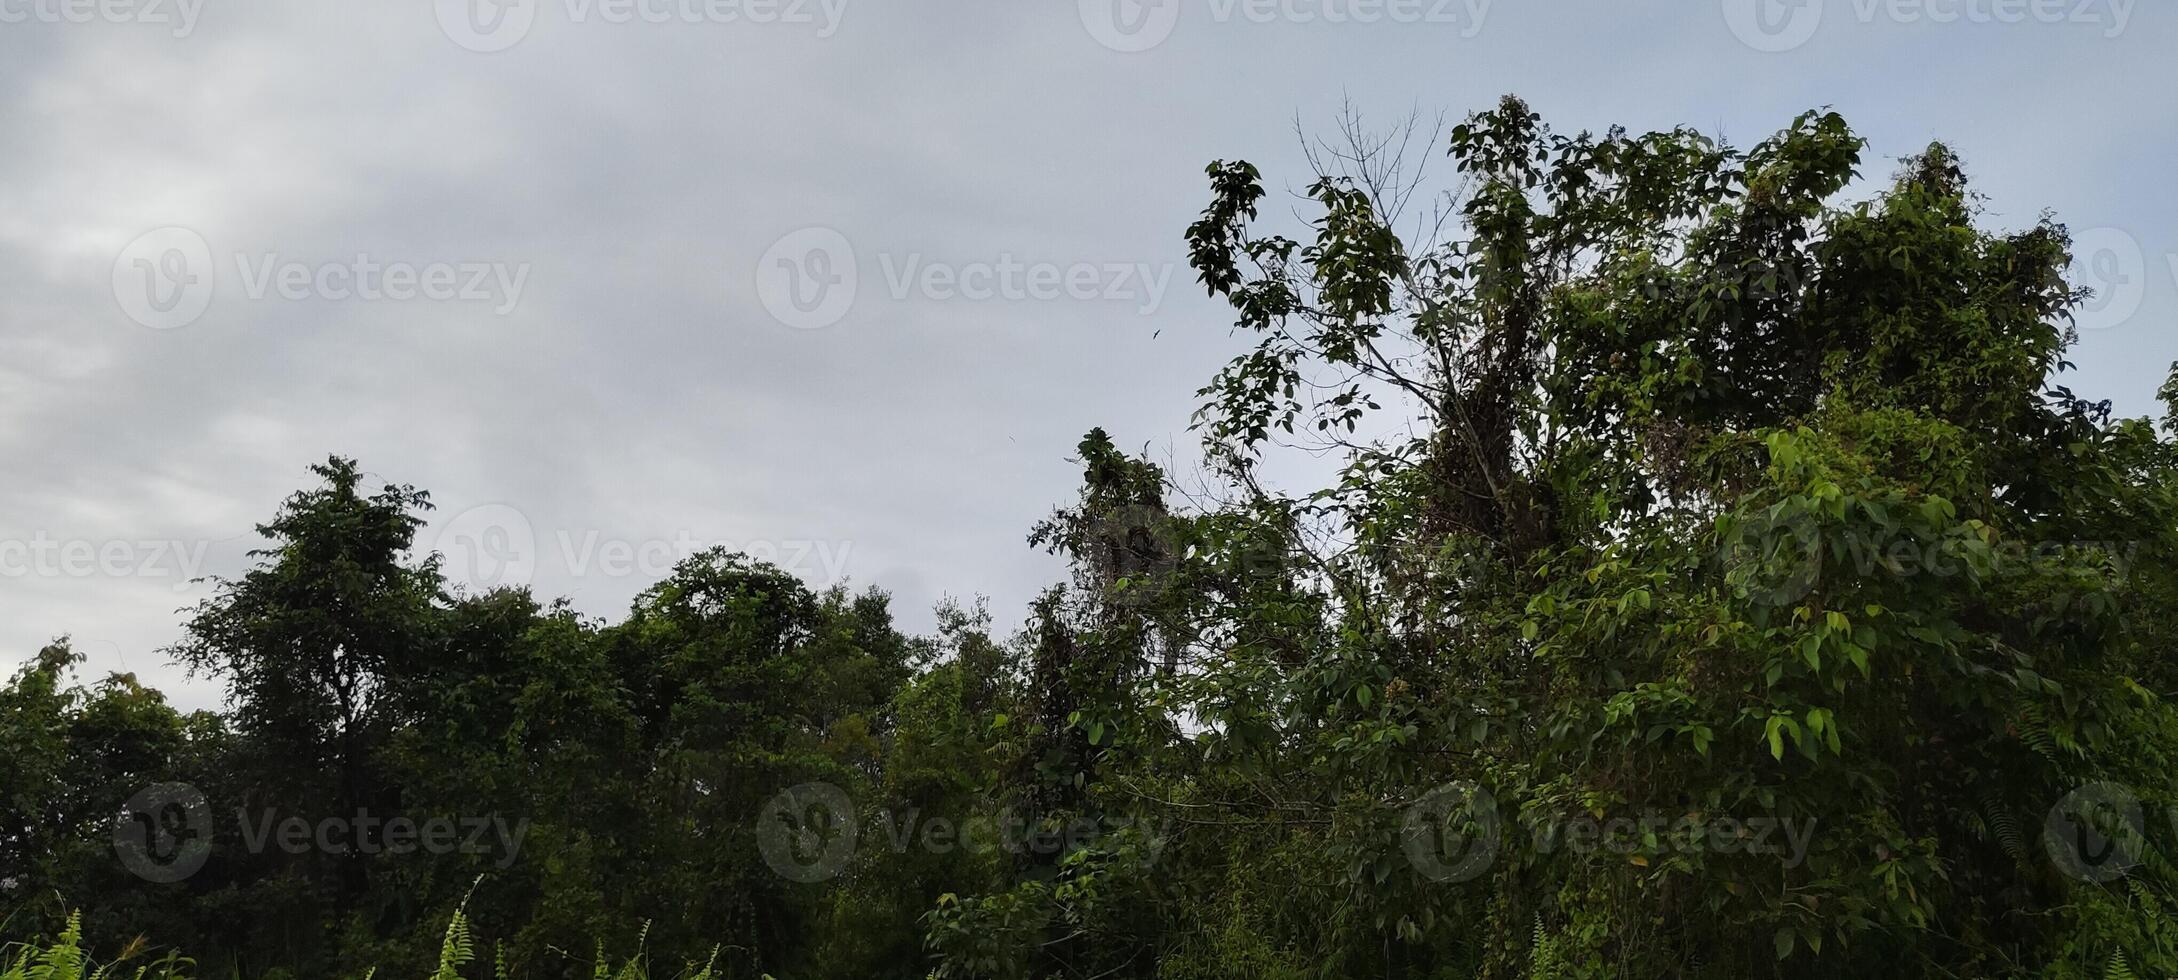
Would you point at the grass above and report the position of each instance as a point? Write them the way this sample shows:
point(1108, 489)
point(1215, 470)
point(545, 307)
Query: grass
point(65, 959)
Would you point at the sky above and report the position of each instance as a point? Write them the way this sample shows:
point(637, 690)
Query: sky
point(837, 282)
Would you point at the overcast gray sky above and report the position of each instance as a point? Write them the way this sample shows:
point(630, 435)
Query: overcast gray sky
point(840, 282)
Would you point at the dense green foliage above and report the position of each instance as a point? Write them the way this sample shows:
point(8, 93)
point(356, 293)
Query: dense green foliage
point(1714, 585)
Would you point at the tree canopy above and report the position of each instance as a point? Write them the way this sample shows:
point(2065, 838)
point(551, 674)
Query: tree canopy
point(1717, 581)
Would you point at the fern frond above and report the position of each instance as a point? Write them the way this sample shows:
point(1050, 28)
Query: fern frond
point(456, 950)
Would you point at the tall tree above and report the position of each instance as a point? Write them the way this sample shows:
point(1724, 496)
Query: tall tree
point(1680, 497)
point(311, 638)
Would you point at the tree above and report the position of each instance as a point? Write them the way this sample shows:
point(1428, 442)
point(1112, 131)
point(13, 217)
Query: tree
point(1716, 582)
point(312, 638)
point(1679, 498)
